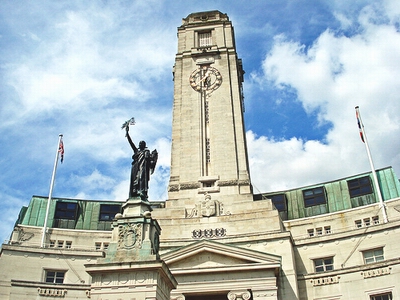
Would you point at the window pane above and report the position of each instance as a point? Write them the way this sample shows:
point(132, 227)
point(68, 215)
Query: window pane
point(50, 276)
point(108, 212)
point(66, 210)
point(54, 276)
point(279, 201)
point(374, 255)
point(385, 296)
point(205, 39)
point(359, 186)
point(322, 265)
point(314, 196)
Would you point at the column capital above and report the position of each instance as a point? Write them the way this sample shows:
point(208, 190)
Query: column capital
point(239, 295)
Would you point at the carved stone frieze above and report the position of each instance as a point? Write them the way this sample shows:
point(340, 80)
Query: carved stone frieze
point(244, 182)
point(173, 188)
point(189, 185)
point(227, 182)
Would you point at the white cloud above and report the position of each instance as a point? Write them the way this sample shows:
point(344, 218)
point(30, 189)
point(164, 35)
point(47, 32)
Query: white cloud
point(331, 77)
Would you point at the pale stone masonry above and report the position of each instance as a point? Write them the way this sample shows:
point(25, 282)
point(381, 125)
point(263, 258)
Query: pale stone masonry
point(212, 238)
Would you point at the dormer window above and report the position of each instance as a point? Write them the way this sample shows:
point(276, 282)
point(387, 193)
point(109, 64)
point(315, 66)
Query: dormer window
point(359, 186)
point(315, 196)
point(66, 210)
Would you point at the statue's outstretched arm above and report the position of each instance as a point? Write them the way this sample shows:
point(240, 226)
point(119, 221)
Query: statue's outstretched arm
point(130, 140)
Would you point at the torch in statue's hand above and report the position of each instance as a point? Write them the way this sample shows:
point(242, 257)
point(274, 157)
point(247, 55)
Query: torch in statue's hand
point(131, 121)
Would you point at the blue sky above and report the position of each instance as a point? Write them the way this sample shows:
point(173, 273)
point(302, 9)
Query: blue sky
point(82, 68)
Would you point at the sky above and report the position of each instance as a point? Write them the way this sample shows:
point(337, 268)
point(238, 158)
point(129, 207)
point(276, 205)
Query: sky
point(82, 68)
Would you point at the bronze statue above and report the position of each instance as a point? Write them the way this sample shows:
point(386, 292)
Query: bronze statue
point(143, 165)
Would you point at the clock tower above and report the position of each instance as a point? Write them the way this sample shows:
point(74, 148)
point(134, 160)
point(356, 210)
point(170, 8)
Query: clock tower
point(209, 154)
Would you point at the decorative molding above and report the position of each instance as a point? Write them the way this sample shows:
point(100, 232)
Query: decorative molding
point(51, 292)
point(376, 272)
point(173, 188)
point(189, 185)
point(239, 295)
point(228, 182)
point(244, 182)
point(325, 280)
point(208, 233)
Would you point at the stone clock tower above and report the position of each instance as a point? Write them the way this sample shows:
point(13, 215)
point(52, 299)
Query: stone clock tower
point(210, 221)
point(209, 152)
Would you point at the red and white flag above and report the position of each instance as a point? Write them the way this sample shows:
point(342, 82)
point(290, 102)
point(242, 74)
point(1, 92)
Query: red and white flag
point(360, 124)
point(61, 150)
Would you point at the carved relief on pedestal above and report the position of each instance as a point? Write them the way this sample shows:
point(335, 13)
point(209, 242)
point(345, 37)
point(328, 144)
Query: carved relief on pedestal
point(129, 236)
point(207, 208)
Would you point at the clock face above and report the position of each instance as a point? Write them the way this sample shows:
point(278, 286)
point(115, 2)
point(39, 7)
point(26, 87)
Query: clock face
point(205, 78)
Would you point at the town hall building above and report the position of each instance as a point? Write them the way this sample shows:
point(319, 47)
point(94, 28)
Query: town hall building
point(213, 238)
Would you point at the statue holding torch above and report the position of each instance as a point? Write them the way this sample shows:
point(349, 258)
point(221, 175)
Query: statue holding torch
point(143, 165)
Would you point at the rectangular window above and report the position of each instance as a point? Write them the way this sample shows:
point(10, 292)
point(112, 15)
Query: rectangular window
point(374, 255)
point(323, 264)
point(319, 231)
point(108, 212)
point(105, 246)
point(384, 296)
point(52, 276)
point(314, 196)
point(310, 232)
point(60, 244)
point(205, 39)
point(375, 220)
point(367, 221)
point(68, 244)
point(327, 229)
point(98, 246)
point(279, 201)
point(52, 243)
point(358, 223)
point(66, 210)
point(359, 186)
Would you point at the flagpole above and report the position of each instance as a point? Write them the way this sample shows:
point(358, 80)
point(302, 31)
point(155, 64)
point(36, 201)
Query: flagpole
point(374, 176)
point(51, 191)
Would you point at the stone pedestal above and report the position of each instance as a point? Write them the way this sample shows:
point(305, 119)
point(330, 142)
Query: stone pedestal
point(131, 268)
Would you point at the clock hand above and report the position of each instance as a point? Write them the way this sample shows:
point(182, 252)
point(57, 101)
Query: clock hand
point(205, 76)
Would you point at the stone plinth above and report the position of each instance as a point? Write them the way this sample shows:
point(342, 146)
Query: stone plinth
point(131, 268)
